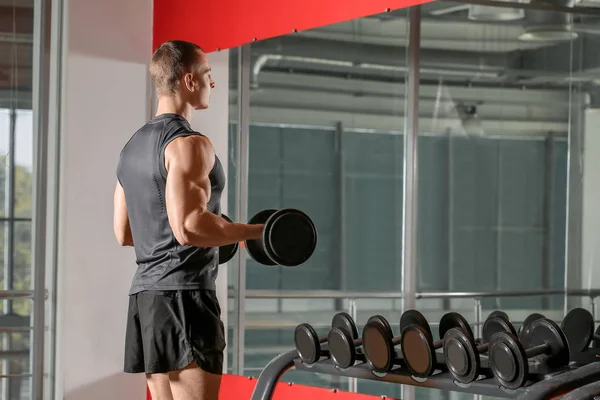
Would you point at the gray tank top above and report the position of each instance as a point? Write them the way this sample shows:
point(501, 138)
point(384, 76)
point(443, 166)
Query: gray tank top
point(163, 264)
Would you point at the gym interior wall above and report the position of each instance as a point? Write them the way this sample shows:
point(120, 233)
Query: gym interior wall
point(504, 95)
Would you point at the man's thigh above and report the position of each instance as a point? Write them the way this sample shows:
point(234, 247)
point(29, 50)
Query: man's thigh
point(193, 383)
point(160, 386)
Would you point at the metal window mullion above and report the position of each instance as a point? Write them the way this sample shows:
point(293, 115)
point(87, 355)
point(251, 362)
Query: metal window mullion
point(55, 108)
point(9, 199)
point(409, 237)
point(9, 210)
point(243, 92)
point(410, 195)
point(40, 104)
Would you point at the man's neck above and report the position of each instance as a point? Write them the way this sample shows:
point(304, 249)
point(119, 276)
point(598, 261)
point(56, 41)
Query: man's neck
point(169, 105)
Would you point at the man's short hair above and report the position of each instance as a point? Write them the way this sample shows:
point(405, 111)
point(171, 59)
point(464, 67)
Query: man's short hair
point(169, 62)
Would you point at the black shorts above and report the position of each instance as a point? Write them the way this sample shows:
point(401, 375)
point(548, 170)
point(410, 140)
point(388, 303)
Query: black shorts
point(167, 330)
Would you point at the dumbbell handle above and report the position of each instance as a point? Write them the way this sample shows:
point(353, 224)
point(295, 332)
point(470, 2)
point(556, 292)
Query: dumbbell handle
point(537, 350)
point(483, 348)
point(396, 341)
point(596, 336)
point(438, 344)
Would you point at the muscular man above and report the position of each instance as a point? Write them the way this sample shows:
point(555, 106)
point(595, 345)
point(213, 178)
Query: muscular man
point(167, 205)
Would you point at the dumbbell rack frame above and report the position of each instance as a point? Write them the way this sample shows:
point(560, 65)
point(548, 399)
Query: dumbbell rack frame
point(585, 378)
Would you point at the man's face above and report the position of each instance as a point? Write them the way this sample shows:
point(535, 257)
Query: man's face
point(199, 83)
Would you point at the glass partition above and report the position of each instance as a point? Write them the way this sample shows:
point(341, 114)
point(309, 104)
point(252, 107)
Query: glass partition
point(507, 97)
point(326, 118)
point(497, 106)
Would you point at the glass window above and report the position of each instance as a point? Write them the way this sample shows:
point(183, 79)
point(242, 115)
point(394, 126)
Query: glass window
point(16, 193)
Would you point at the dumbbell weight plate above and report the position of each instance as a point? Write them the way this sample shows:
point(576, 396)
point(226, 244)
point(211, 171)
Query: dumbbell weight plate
point(418, 351)
point(255, 248)
point(290, 237)
point(547, 331)
point(578, 327)
point(341, 347)
point(384, 323)
point(414, 317)
point(452, 320)
point(525, 326)
point(376, 346)
point(507, 360)
point(307, 343)
point(500, 314)
point(341, 340)
point(460, 352)
point(227, 252)
point(345, 322)
point(495, 324)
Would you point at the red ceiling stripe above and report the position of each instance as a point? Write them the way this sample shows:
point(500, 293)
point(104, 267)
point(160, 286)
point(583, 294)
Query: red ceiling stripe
point(223, 24)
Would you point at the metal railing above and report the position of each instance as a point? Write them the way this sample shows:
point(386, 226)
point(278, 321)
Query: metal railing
point(338, 294)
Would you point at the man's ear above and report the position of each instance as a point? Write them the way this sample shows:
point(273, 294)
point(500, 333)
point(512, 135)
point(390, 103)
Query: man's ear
point(189, 81)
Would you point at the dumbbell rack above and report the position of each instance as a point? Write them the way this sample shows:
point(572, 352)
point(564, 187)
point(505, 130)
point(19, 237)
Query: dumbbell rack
point(574, 383)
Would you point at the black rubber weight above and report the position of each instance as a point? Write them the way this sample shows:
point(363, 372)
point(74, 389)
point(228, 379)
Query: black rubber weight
point(227, 252)
point(578, 326)
point(454, 320)
point(524, 329)
point(307, 343)
point(508, 361)
point(462, 356)
point(345, 322)
point(379, 319)
point(341, 347)
point(290, 237)
point(414, 317)
point(378, 347)
point(256, 248)
point(546, 332)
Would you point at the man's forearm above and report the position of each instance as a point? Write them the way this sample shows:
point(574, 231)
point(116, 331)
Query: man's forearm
point(210, 230)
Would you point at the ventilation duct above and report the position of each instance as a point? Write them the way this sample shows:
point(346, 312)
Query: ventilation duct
point(548, 26)
point(479, 12)
point(539, 26)
point(348, 67)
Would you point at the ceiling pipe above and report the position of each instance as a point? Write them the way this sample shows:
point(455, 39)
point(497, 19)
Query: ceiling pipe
point(357, 57)
point(362, 68)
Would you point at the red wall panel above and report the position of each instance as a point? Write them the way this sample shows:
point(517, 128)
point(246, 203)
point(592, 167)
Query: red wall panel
point(222, 24)
point(240, 388)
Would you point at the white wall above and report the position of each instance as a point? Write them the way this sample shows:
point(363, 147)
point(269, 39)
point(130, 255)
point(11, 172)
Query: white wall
point(107, 48)
point(590, 263)
point(213, 123)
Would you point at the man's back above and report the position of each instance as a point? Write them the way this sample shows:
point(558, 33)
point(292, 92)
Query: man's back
point(163, 264)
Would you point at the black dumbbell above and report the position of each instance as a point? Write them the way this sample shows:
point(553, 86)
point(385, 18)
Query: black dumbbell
point(343, 346)
point(227, 252)
point(509, 360)
point(462, 353)
point(418, 347)
point(289, 238)
point(526, 325)
point(308, 342)
point(578, 326)
point(379, 344)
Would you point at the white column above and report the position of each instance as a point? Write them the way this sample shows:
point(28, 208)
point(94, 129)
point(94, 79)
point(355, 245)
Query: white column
point(107, 47)
point(213, 122)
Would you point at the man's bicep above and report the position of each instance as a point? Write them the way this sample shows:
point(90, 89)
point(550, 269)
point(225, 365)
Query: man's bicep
point(188, 185)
